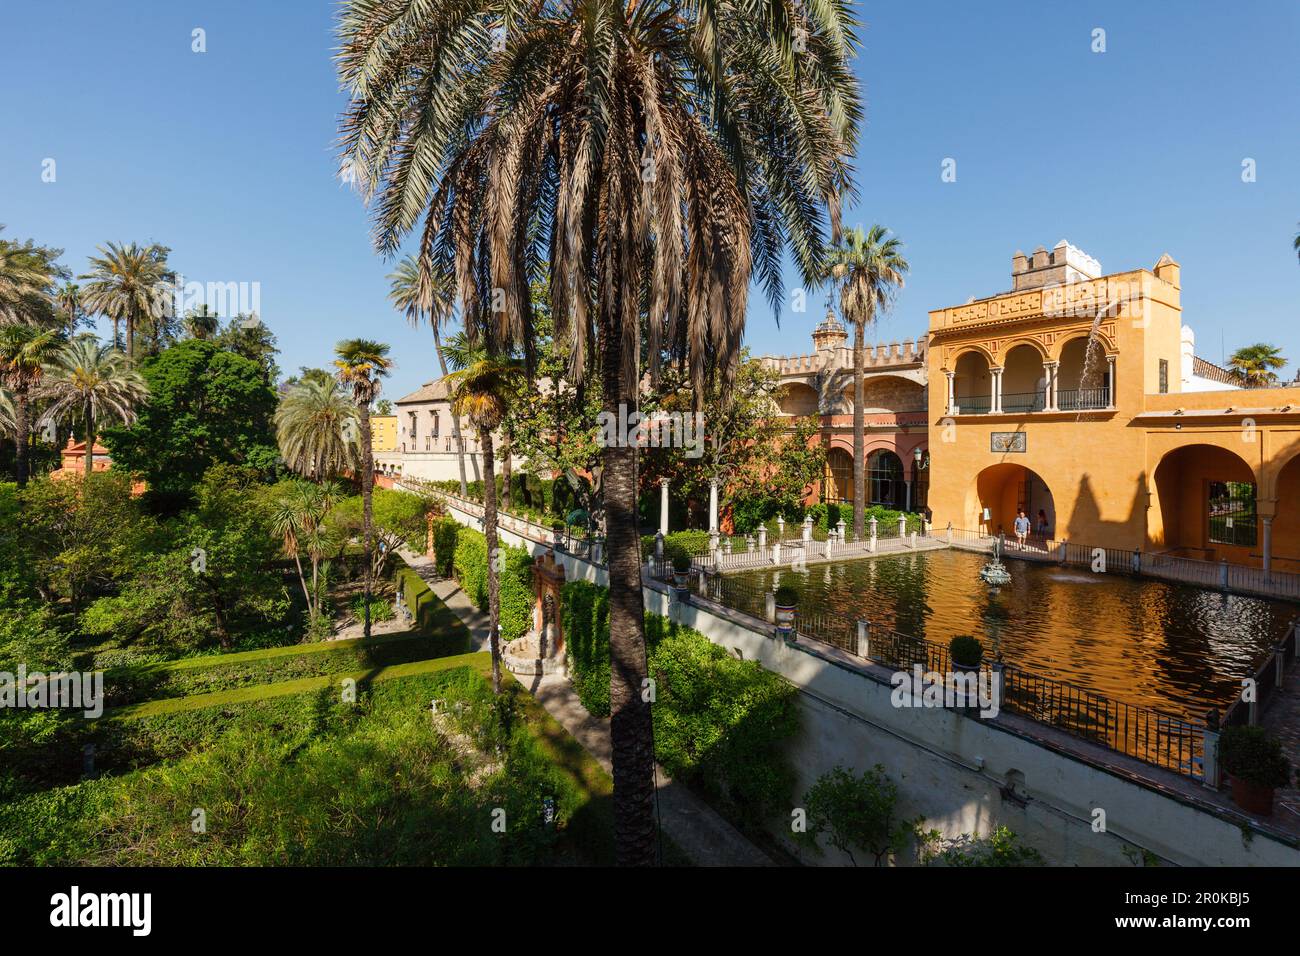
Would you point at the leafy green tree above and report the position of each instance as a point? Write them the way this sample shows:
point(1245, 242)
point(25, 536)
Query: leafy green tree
point(316, 427)
point(92, 383)
point(206, 406)
point(361, 365)
point(653, 159)
point(25, 349)
point(868, 268)
point(857, 813)
point(132, 284)
point(1255, 366)
point(399, 518)
point(249, 337)
point(80, 538)
point(214, 581)
point(761, 460)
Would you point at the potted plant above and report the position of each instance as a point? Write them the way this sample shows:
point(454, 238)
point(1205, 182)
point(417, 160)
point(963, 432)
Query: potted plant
point(1254, 760)
point(787, 605)
point(967, 653)
point(681, 570)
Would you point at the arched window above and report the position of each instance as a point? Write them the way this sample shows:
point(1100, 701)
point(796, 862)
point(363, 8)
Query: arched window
point(436, 423)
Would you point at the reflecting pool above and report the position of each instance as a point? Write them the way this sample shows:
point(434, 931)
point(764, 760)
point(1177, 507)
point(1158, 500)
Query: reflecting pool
point(1176, 648)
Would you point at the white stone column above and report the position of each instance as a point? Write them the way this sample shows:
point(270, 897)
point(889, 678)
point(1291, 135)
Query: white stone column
point(995, 389)
point(1049, 400)
point(713, 504)
point(1110, 381)
point(663, 507)
point(952, 391)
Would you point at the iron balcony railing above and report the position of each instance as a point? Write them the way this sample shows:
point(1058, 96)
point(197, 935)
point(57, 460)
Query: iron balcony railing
point(1082, 399)
point(1019, 403)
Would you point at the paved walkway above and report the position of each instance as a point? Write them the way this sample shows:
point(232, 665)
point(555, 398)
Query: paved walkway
point(695, 827)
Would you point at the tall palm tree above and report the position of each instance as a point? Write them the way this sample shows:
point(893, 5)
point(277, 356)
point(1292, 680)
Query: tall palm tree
point(316, 429)
point(201, 323)
point(424, 294)
point(648, 158)
point(1255, 366)
point(26, 274)
point(91, 383)
point(25, 349)
point(68, 298)
point(481, 392)
point(868, 268)
point(131, 284)
point(361, 364)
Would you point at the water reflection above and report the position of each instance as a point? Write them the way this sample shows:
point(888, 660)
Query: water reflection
point(1173, 647)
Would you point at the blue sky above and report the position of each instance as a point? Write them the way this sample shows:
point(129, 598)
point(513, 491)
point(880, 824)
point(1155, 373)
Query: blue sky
point(227, 156)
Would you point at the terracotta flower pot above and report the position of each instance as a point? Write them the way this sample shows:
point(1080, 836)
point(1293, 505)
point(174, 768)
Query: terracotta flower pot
point(1252, 798)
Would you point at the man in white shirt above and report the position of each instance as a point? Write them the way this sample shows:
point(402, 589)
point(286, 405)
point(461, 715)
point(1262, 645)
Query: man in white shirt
point(1022, 528)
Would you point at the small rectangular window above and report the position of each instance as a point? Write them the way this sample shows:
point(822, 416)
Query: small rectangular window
point(1164, 376)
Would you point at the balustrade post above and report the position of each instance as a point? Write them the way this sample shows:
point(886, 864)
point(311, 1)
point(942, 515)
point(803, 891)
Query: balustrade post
point(902, 526)
point(776, 552)
point(864, 639)
point(1212, 772)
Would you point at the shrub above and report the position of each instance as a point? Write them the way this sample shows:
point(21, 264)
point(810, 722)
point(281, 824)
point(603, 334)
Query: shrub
point(966, 650)
point(689, 543)
point(681, 562)
point(719, 723)
point(445, 531)
point(1000, 848)
point(380, 608)
point(1254, 755)
point(787, 596)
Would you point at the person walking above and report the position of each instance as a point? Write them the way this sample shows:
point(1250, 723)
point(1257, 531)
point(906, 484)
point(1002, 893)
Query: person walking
point(1022, 528)
point(1043, 527)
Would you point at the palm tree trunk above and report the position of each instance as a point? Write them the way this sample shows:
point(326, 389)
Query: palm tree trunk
point(90, 438)
point(631, 729)
point(367, 510)
point(21, 443)
point(859, 429)
point(130, 337)
point(505, 472)
point(455, 419)
point(490, 533)
point(117, 334)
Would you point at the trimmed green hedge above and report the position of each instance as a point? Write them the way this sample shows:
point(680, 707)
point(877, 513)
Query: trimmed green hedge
point(444, 544)
point(516, 581)
point(719, 722)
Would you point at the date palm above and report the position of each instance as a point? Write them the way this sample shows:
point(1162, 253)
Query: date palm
point(91, 383)
point(201, 323)
point(1255, 366)
point(650, 159)
point(867, 268)
point(68, 299)
point(25, 277)
point(25, 350)
point(426, 295)
point(361, 364)
point(316, 426)
point(131, 284)
point(481, 392)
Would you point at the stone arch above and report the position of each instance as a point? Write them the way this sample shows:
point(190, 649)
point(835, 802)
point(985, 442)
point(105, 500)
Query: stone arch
point(838, 481)
point(1201, 506)
point(799, 398)
point(1003, 490)
point(1024, 377)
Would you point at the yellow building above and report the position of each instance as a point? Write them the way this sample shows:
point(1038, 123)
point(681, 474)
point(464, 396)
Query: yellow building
point(1079, 396)
point(383, 433)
